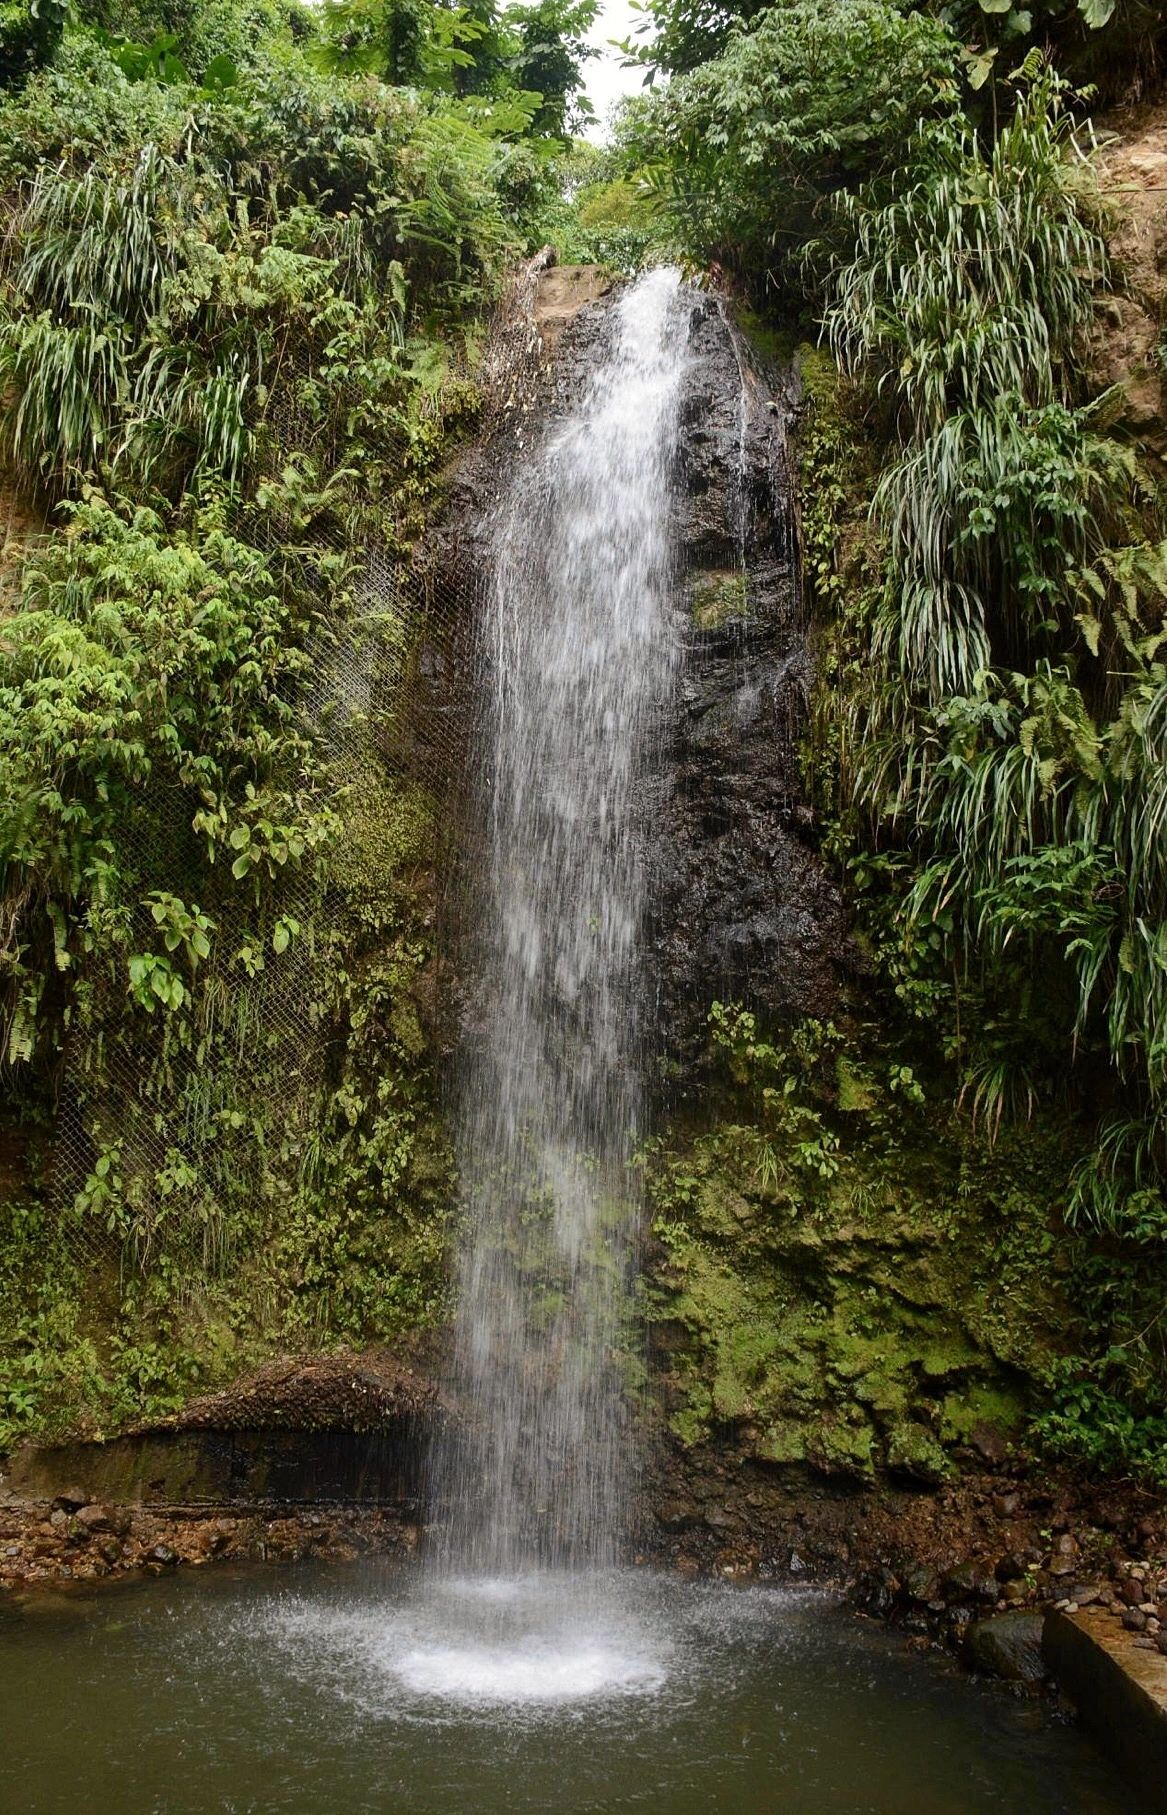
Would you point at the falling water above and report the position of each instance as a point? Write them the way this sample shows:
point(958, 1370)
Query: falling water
point(582, 648)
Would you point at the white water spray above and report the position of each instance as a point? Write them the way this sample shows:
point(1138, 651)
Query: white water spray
point(582, 650)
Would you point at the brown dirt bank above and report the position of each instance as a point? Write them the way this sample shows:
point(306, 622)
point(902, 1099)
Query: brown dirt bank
point(1004, 1534)
point(321, 1458)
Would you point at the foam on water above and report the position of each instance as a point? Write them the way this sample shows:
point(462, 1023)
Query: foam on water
point(540, 1670)
point(523, 1643)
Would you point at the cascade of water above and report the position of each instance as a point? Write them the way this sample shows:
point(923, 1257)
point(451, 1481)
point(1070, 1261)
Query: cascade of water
point(582, 649)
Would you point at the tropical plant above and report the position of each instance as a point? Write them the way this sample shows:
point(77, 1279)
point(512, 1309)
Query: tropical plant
point(807, 99)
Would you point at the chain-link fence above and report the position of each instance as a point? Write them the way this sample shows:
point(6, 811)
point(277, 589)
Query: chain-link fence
point(182, 1147)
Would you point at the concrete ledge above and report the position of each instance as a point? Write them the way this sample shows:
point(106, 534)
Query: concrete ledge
point(1119, 1690)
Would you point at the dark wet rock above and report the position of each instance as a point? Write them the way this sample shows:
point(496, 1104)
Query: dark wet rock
point(877, 1591)
point(1008, 1646)
point(920, 1584)
point(719, 1518)
point(741, 907)
point(70, 1500)
point(969, 1581)
point(1134, 1619)
point(1010, 1567)
point(163, 1555)
point(678, 1515)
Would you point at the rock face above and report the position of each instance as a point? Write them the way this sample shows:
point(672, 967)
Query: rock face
point(741, 907)
point(1125, 349)
point(745, 911)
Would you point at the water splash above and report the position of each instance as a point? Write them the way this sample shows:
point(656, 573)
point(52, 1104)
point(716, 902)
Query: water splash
point(582, 649)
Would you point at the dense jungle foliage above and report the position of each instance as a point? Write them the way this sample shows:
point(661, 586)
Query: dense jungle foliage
point(247, 255)
point(248, 252)
point(916, 188)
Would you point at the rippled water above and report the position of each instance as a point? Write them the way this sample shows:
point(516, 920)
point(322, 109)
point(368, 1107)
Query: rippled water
point(342, 1692)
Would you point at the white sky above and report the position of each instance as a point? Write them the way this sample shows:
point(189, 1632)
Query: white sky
point(606, 81)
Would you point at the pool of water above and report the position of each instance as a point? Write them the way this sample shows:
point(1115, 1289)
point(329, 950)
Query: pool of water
point(334, 1692)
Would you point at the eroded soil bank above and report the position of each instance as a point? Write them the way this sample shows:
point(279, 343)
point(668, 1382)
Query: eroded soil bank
point(327, 1459)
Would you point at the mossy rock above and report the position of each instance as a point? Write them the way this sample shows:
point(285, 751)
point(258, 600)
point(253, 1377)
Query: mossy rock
point(875, 1317)
point(717, 599)
point(913, 1450)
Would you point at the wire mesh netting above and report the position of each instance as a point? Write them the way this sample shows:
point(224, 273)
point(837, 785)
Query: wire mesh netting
point(185, 1148)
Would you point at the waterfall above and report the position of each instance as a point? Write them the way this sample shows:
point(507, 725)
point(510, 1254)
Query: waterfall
point(582, 646)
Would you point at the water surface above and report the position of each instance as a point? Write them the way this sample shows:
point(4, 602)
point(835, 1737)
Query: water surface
point(322, 1692)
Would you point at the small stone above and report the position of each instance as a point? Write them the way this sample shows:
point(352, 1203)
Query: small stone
point(678, 1515)
point(796, 1565)
point(1005, 1505)
point(94, 1518)
point(1161, 1642)
point(71, 1500)
point(990, 1444)
point(1134, 1619)
point(1086, 1593)
point(877, 1591)
point(969, 1581)
point(920, 1584)
point(1010, 1567)
point(162, 1555)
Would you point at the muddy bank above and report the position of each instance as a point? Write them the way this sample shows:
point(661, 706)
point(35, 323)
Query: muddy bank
point(1003, 1536)
point(44, 1544)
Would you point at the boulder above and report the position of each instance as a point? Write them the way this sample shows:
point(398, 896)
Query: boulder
point(1008, 1646)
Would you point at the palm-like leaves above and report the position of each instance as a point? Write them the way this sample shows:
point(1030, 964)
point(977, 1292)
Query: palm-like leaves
point(1015, 720)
